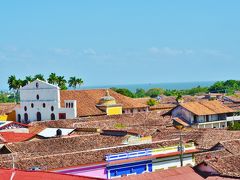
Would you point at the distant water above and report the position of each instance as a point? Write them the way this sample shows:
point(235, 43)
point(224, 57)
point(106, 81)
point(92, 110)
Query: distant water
point(178, 86)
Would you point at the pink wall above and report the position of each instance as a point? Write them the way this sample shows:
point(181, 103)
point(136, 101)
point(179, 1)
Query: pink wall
point(98, 171)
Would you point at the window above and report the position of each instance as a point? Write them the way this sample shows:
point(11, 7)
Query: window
point(37, 85)
point(71, 105)
point(52, 108)
point(39, 116)
point(66, 105)
point(32, 105)
point(62, 115)
point(44, 105)
point(26, 118)
point(25, 108)
point(52, 116)
point(37, 97)
point(19, 117)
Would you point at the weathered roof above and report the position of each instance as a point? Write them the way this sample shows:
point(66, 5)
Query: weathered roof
point(65, 144)
point(88, 99)
point(182, 173)
point(180, 121)
point(6, 108)
point(74, 158)
point(146, 119)
point(6, 174)
point(226, 165)
point(206, 107)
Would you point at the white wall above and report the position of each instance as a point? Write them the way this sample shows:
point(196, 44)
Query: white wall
point(48, 95)
point(165, 163)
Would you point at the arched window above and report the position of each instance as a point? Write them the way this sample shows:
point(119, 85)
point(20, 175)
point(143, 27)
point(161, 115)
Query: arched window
point(52, 108)
point(25, 108)
point(52, 116)
point(19, 117)
point(26, 117)
point(44, 105)
point(37, 97)
point(66, 105)
point(37, 85)
point(39, 116)
point(32, 105)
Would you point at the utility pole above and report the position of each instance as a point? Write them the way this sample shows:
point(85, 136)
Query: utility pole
point(181, 149)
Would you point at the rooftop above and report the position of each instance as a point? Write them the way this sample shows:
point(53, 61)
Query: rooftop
point(88, 99)
point(6, 174)
point(11, 137)
point(206, 107)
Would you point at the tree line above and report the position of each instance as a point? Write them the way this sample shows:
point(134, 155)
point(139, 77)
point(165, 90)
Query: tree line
point(60, 81)
point(15, 84)
point(229, 87)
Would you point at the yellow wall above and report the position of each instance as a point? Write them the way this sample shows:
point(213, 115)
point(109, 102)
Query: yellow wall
point(114, 110)
point(8, 117)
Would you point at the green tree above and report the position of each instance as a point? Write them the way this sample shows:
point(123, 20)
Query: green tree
point(15, 84)
point(53, 79)
point(62, 83)
point(234, 126)
point(39, 76)
point(27, 80)
point(124, 91)
point(154, 92)
point(151, 102)
point(74, 82)
point(140, 93)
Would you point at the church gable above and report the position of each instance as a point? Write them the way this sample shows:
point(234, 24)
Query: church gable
point(38, 84)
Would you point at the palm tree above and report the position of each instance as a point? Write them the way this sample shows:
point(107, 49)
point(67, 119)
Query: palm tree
point(27, 80)
point(15, 85)
point(74, 82)
point(61, 82)
point(11, 82)
point(39, 76)
point(53, 78)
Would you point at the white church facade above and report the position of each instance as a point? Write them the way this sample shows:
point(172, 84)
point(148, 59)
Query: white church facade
point(40, 100)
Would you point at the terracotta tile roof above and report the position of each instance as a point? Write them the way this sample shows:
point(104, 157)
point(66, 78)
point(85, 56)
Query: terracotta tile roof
point(204, 138)
point(7, 137)
point(226, 165)
point(234, 99)
point(65, 144)
point(6, 174)
point(232, 146)
point(180, 121)
point(6, 108)
point(147, 120)
point(206, 107)
point(77, 158)
point(88, 99)
point(182, 173)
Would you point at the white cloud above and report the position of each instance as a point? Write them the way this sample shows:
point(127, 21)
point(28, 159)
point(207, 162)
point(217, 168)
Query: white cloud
point(170, 51)
point(89, 51)
point(61, 51)
point(215, 53)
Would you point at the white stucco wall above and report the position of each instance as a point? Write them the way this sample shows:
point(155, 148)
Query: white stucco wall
point(165, 163)
point(48, 95)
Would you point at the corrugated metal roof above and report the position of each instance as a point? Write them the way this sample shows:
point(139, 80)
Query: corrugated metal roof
point(51, 132)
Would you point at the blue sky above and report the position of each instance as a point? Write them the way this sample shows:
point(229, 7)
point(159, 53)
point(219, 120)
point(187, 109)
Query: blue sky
point(121, 42)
